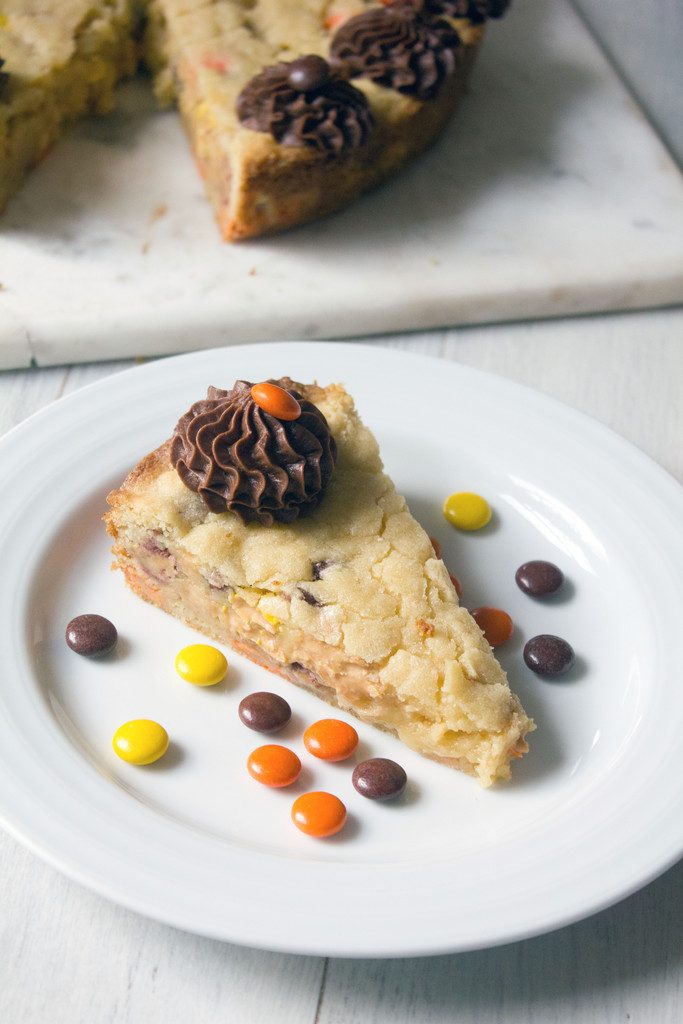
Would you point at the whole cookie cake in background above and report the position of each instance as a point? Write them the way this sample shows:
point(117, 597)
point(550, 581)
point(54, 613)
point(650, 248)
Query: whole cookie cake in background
point(292, 109)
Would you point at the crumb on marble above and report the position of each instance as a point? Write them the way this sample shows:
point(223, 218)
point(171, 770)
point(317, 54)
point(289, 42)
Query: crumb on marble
point(158, 212)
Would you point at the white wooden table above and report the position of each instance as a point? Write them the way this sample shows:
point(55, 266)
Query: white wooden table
point(69, 956)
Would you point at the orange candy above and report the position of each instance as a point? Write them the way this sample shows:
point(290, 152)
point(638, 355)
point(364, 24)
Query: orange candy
point(276, 401)
point(495, 624)
point(273, 765)
point(456, 583)
point(319, 814)
point(331, 740)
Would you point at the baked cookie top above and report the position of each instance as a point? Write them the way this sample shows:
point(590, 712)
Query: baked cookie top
point(39, 37)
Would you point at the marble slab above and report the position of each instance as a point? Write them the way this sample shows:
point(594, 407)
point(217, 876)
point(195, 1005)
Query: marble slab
point(550, 194)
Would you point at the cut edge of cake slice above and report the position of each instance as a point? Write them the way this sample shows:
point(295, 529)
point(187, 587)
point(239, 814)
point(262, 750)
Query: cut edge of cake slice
point(349, 602)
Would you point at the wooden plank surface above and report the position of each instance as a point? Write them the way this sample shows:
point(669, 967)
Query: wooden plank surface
point(70, 957)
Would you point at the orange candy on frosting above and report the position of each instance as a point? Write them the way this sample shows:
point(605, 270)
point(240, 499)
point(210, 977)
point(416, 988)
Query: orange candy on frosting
point(276, 401)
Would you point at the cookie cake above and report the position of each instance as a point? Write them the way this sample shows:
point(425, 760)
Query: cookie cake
point(267, 523)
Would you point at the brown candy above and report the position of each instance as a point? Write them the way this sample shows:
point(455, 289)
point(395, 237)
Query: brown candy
point(548, 655)
point(539, 578)
point(310, 72)
point(264, 712)
point(379, 778)
point(91, 635)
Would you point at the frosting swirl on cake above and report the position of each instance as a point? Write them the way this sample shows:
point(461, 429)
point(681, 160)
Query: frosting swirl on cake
point(476, 11)
point(303, 103)
point(4, 79)
point(240, 458)
point(397, 47)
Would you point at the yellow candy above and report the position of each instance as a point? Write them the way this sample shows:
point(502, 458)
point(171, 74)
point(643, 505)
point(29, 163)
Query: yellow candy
point(201, 664)
point(140, 741)
point(467, 511)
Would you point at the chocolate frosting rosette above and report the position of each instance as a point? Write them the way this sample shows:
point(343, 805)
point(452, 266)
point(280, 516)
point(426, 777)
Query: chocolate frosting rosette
point(476, 11)
point(399, 48)
point(303, 103)
point(4, 79)
point(241, 458)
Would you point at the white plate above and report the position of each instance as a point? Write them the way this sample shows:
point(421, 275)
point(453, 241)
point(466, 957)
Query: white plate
point(594, 810)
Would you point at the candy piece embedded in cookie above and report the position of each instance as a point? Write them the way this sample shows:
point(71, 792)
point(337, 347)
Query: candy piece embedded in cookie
point(286, 540)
